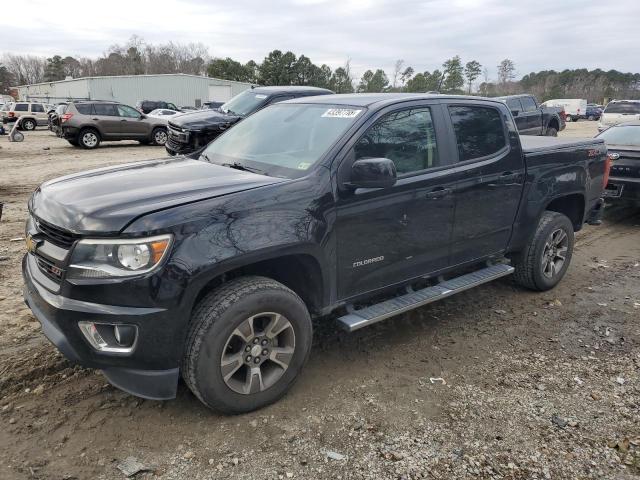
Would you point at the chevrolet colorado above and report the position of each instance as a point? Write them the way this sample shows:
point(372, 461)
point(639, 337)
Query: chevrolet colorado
point(356, 206)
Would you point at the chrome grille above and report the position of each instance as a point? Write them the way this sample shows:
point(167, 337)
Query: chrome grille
point(56, 235)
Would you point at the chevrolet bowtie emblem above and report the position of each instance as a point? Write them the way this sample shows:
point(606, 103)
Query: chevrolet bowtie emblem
point(32, 244)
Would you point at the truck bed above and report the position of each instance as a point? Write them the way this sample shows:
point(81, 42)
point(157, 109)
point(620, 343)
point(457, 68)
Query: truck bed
point(531, 144)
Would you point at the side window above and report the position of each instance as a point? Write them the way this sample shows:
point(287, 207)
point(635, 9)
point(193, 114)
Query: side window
point(108, 109)
point(21, 107)
point(514, 104)
point(479, 131)
point(406, 137)
point(37, 108)
point(127, 111)
point(84, 108)
point(528, 104)
point(171, 106)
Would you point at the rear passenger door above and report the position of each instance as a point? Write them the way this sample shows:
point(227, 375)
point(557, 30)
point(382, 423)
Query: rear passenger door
point(516, 109)
point(489, 180)
point(107, 119)
point(39, 113)
point(389, 235)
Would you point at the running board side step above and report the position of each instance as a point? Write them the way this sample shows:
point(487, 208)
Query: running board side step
point(357, 319)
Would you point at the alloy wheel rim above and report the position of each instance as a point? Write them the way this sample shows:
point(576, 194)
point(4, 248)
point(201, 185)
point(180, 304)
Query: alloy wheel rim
point(89, 139)
point(554, 254)
point(257, 353)
point(161, 138)
point(28, 125)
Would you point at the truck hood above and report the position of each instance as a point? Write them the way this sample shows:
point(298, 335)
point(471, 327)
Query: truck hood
point(204, 120)
point(106, 200)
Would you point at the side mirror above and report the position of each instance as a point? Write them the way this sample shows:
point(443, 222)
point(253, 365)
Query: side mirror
point(373, 173)
point(142, 116)
point(515, 112)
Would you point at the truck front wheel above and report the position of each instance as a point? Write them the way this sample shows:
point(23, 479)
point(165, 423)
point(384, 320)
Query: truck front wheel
point(247, 342)
point(545, 259)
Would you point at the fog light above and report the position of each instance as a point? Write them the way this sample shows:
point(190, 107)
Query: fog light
point(108, 337)
point(125, 334)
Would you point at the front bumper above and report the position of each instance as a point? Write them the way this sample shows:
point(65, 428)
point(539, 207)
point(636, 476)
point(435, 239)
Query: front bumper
point(59, 317)
point(623, 187)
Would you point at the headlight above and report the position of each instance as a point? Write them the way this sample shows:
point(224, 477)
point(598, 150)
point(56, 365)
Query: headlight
point(106, 258)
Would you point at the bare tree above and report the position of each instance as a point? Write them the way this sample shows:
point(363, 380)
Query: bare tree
point(506, 71)
point(397, 72)
point(25, 69)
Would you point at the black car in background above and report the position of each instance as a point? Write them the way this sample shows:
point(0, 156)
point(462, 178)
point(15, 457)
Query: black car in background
point(532, 118)
point(147, 106)
point(192, 131)
point(623, 145)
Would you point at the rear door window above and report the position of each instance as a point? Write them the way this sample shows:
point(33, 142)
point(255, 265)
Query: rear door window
point(106, 109)
point(85, 108)
point(514, 104)
point(479, 131)
point(37, 108)
point(21, 107)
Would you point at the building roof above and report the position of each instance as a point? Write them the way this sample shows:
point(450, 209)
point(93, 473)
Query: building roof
point(132, 76)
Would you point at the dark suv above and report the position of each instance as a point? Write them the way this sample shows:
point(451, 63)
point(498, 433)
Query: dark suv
point(192, 131)
point(86, 124)
point(148, 106)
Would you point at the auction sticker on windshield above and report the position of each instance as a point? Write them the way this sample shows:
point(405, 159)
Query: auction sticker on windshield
point(341, 113)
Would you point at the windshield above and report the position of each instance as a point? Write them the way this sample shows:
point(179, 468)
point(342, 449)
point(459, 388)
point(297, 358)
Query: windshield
point(281, 140)
point(622, 135)
point(244, 103)
point(629, 108)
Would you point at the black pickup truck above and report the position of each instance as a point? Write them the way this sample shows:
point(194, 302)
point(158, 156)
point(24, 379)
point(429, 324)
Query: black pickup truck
point(192, 131)
point(355, 207)
point(534, 119)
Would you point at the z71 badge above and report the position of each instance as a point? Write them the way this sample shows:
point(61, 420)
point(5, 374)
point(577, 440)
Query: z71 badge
point(368, 261)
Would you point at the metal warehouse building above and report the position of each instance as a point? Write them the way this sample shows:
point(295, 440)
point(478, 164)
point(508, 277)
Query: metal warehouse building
point(180, 89)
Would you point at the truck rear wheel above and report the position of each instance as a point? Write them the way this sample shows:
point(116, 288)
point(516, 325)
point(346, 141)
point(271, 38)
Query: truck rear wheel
point(545, 259)
point(247, 342)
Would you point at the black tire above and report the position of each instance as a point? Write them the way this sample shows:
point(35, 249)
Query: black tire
point(28, 124)
point(529, 264)
point(74, 143)
point(591, 118)
point(89, 138)
point(159, 136)
point(552, 132)
point(568, 118)
point(215, 321)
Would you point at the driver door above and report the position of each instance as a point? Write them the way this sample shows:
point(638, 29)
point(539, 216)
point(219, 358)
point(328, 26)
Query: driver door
point(388, 235)
point(131, 123)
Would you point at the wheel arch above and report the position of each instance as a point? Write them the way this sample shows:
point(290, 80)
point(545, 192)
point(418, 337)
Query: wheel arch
point(571, 205)
point(301, 272)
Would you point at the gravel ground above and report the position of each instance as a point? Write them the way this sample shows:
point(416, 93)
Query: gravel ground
point(534, 386)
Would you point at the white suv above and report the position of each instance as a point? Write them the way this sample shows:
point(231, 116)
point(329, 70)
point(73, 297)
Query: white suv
point(619, 111)
point(32, 114)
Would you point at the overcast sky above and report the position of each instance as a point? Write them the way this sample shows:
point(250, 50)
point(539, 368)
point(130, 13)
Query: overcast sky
point(535, 34)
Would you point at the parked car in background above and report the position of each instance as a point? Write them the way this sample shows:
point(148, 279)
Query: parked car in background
point(594, 112)
point(32, 114)
point(147, 106)
point(366, 206)
point(619, 111)
point(192, 131)
point(534, 119)
point(187, 108)
point(87, 123)
point(623, 144)
point(574, 108)
point(163, 114)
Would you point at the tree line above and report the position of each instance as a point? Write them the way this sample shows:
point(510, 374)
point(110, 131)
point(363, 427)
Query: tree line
point(286, 68)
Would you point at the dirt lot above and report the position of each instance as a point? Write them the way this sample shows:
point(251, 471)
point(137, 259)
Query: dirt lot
point(539, 386)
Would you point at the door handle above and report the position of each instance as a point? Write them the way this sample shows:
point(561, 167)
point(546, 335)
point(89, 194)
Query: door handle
point(95, 119)
point(506, 178)
point(438, 192)
point(123, 120)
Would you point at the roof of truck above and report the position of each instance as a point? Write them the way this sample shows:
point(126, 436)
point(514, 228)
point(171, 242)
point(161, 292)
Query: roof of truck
point(378, 99)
